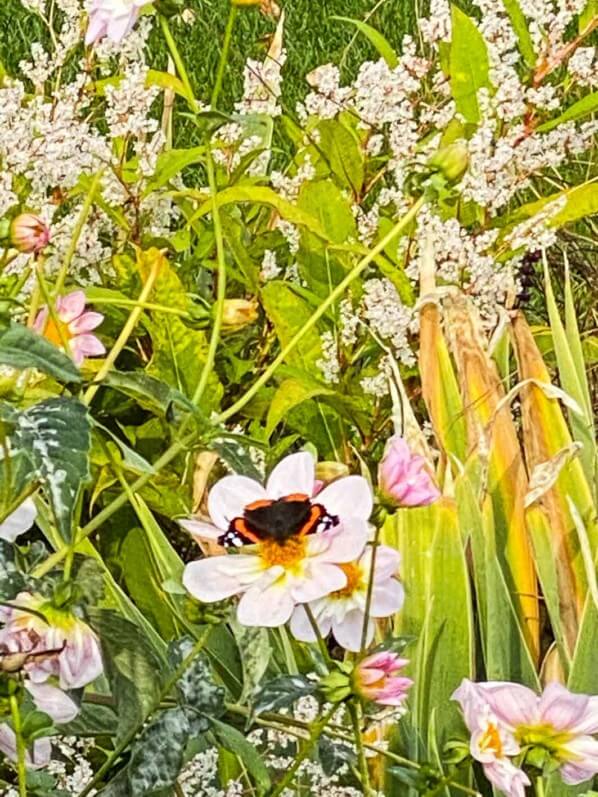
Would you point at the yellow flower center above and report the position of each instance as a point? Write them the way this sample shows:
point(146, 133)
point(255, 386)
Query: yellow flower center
point(287, 554)
point(490, 741)
point(57, 332)
point(354, 577)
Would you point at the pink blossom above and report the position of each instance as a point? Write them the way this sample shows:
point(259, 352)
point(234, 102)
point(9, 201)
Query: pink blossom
point(505, 717)
point(29, 233)
point(74, 327)
point(112, 18)
point(376, 679)
point(403, 476)
point(74, 655)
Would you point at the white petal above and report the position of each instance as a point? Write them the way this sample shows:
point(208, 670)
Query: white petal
point(205, 531)
point(348, 631)
point(207, 582)
point(293, 474)
point(229, 497)
point(53, 701)
point(387, 598)
point(320, 579)
point(350, 496)
point(42, 749)
point(343, 544)
point(387, 562)
point(18, 521)
point(268, 608)
point(302, 629)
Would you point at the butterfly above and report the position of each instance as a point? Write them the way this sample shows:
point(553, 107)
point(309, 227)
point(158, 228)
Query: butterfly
point(278, 520)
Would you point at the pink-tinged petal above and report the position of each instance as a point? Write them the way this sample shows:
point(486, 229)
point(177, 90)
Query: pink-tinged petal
point(80, 662)
point(18, 521)
point(36, 758)
point(200, 530)
point(589, 722)
point(206, 582)
point(584, 763)
point(342, 544)
point(119, 27)
point(70, 306)
point(268, 608)
point(512, 704)
point(86, 322)
point(229, 497)
point(96, 29)
point(87, 345)
point(53, 701)
point(321, 579)
point(41, 320)
point(347, 631)
point(387, 562)
point(302, 629)
point(561, 708)
point(387, 598)
point(348, 497)
point(293, 474)
point(503, 774)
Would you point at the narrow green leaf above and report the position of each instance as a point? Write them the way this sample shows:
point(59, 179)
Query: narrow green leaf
point(469, 64)
point(375, 37)
point(234, 741)
point(342, 149)
point(582, 107)
point(290, 393)
point(521, 28)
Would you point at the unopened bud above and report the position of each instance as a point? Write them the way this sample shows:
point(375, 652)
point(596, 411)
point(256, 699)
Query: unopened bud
point(239, 312)
point(451, 160)
point(336, 686)
point(28, 233)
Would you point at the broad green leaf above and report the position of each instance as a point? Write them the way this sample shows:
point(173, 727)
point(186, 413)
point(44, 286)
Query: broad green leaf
point(437, 610)
point(21, 347)
point(521, 28)
point(341, 148)
point(282, 692)
point(150, 393)
point(468, 64)
point(582, 107)
point(324, 201)
point(580, 201)
point(165, 81)
point(201, 698)
point(54, 436)
point(588, 15)
point(376, 38)
point(157, 755)
point(290, 393)
point(234, 741)
point(289, 314)
point(255, 652)
point(170, 163)
point(132, 666)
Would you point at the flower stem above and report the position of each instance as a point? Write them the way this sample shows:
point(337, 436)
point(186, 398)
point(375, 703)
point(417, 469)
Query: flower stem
point(316, 629)
point(179, 63)
point(17, 727)
point(540, 791)
point(223, 56)
point(125, 332)
point(370, 591)
point(355, 713)
point(305, 750)
point(168, 686)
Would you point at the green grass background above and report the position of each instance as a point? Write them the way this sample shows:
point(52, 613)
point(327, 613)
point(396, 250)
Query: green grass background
point(311, 38)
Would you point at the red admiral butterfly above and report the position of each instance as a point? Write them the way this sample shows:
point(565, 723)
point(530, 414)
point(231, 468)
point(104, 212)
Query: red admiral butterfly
point(279, 520)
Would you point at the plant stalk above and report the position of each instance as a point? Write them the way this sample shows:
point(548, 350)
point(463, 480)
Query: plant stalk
point(15, 713)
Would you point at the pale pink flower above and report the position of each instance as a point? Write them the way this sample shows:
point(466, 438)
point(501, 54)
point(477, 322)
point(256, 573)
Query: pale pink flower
point(343, 611)
point(558, 720)
point(19, 521)
point(376, 678)
point(53, 702)
point(74, 655)
point(113, 19)
point(75, 324)
point(28, 233)
point(403, 476)
point(294, 541)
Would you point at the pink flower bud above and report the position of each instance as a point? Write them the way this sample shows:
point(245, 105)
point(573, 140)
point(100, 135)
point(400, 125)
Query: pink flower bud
point(376, 679)
point(29, 233)
point(403, 476)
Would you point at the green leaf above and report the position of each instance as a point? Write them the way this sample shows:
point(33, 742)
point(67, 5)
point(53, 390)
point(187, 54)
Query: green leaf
point(170, 163)
point(588, 15)
point(521, 28)
point(282, 692)
point(376, 38)
point(150, 393)
point(582, 107)
point(54, 436)
point(201, 698)
point(234, 741)
point(21, 347)
point(12, 580)
point(289, 313)
point(132, 666)
point(157, 756)
point(290, 393)
point(581, 201)
point(324, 201)
point(341, 147)
point(469, 65)
point(255, 652)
